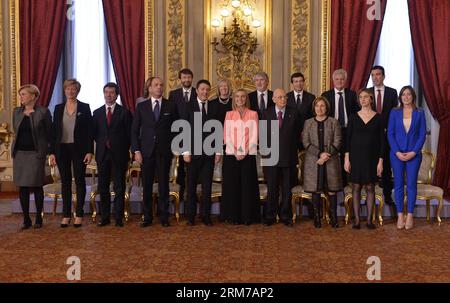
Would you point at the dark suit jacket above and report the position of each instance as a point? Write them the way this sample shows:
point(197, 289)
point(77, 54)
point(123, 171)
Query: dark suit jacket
point(390, 101)
point(118, 134)
point(83, 137)
point(254, 102)
point(304, 111)
point(41, 124)
point(289, 131)
point(212, 113)
point(149, 135)
point(351, 101)
point(177, 96)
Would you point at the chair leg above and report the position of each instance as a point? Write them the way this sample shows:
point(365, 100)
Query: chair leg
point(300, 211)
point(55, 203)
point(177, 206)
point(93, 208)
point(380, 210)
point(428, 210)
point(127, 207)
point(294, 209)
point(440, 206)
point(347, 200)
point(75, 203)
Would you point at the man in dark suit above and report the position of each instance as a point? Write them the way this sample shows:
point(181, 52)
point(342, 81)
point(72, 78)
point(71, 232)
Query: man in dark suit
point(201, 163)
point(111, 129)
point(151, 139)
point(343, 102)
point(301, 101)
point(288, 128)
point(261, 98)
point(386, 98)
point(181, 97)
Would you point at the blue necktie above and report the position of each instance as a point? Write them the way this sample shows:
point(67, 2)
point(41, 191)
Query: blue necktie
point(156, 110)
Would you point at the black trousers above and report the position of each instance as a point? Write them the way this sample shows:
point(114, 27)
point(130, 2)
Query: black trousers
point(108, 170)
point(157, 165)
point(70, 157)
point(201, 168)
point(386, 177)
point(25, 203)
point(278, 176)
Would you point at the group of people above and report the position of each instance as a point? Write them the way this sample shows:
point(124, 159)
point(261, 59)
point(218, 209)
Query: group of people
point(346, 138)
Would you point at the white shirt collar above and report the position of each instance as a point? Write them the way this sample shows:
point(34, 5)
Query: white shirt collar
point(154, 99)
point(264, 92)
point(379, 88)
point(296, 93)
point(279, 109)
point(112, 107)
point(187, 90)
point(336, 91)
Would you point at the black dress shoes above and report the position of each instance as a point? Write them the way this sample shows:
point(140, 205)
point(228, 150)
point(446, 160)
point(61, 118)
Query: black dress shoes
point(269, 222)
point(371, 225)
point(119, 223)
point(26, 226)
point(207, 222)
point(37, 225)
point(103, 223)
point(191, 223)
point(356, 226)
point(165, 224)
point(146, 224)
point(288, 223)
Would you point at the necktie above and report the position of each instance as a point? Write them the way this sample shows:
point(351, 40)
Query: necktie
point(379, 109)
point(156, 110)
point(262, 104)
point(280, 118)
point(341, 110)
point(203, 110)
point(186, 96)
point(108, 116)
point(108, 121)
point(299, 100)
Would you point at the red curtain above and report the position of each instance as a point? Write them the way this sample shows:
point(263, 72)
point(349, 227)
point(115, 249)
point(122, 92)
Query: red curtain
point(430, 32)
point(354, 39)
point(41, 24)
point(125, 28)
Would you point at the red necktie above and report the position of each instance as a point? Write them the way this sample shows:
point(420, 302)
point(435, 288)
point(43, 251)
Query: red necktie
point(280, 118)
point(108, 121)
point(379, 101)
point(109, 116)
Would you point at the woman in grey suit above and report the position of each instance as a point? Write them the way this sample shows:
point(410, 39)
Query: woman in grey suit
point(32, 125)
point(322, 140)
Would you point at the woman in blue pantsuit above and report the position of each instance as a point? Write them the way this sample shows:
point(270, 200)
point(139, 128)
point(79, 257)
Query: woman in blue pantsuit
point(406, 136)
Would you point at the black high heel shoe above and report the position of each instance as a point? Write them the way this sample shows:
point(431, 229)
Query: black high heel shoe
point(78, 225)
point(356, 226)
point(65, 225)
point(371, 225)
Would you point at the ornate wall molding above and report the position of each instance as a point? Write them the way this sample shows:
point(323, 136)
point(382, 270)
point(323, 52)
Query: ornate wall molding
point(325, 47)
point(301, 38)
point(14, 53)
point(149, 21)
point(2, 90)
point(175, 37)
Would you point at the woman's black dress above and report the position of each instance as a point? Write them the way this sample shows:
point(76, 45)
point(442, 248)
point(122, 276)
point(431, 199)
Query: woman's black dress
point(365, 144)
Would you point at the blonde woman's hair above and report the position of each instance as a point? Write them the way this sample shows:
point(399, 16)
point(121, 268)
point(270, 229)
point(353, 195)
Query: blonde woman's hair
point(247, 101)
point(70, 82)
point(31, 88)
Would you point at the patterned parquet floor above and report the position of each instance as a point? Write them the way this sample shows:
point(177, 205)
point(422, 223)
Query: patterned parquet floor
point(222, 253)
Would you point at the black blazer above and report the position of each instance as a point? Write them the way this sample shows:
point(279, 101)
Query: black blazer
point(83, 137)
point(390, 101)
point(213, 113)
point(254, 102)
point(305, 110)
point(351, 101)
point(118, 134)
point(289, 131)
point(149, 135)
point(177, 96)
